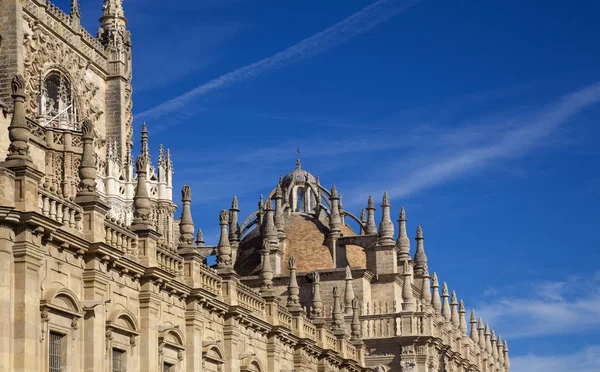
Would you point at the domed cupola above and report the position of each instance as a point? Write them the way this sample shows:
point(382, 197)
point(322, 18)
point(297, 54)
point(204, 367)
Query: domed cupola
point(301, 189)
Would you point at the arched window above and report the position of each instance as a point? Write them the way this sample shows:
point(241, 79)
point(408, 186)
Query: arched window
point(300, 199)
point(56, 102)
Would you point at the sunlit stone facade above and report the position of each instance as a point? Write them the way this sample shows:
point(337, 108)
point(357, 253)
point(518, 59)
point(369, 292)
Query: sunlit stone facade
point(97, 275)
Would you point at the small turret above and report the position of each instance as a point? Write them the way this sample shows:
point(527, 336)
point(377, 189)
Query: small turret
point(199, 238)
point(336, 314)
point(386, 227)
point(317, 303)
point(494, 350)
point(474, 335)
point(371, 228)
point(408, 303)
point(363, 221)
point(506, 360)
point(348, 292)
point(335, 220)
point(462, 319)
point(224, 261)
point(426, 289)
point(420, 256)
point(186, 225)
point(454, 311)
point(435, 300)
point(481, 330)
point(403, 243)
point(488, 342)
point(293, 300)
point(234, 226)
point(445, 303)
point(355, 327)
point(266, 273)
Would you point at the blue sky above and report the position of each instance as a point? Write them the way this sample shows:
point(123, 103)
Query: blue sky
point(480, 117)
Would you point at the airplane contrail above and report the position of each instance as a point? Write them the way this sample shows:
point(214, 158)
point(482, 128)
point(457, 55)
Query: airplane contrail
point(341, 32)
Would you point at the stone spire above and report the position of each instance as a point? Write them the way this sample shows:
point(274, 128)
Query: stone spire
point(269, 232)
point(420, 257)
point(403, 243)
point(18, 131)
point(474, 335)
point(341, 210)
point(435, 300)
point(488, 342)
point(445, 303)
point(199, 238)
point(425, 289)
point(462, 319)
point(355, 328)
point(266, 273)
point(349, 291)
point(481, 337)
point(337, 315)
point(141, 201)
point(363, 221)
point(454, 311)
point(506, 360)
point(499, 351)
point(371, 228)
point(145, 147)
point(386, 227)
point(87, 167)
point(335, 220)
point(261, 209)
point(494, 350)
point(317, 303)
point(224, 261)
point(75, 13)
point(234, 226)
point(279, 215)
point(293, 300)
point(186, 225)
point(408, 302)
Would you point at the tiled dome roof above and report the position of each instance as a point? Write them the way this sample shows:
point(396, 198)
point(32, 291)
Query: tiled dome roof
point(306, 238)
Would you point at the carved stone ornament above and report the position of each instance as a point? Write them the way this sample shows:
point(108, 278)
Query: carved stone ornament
point(224, 217)
point(408, 366)
point(44, 52)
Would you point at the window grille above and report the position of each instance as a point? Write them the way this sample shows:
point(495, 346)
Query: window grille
point(55, 361)
point(117, 360)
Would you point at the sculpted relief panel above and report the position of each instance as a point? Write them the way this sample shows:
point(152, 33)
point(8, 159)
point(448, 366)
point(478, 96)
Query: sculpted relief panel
point(44, 52)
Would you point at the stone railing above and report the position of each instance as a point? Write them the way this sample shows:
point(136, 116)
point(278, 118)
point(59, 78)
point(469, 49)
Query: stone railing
point(168, 260)
point(309, 330)
point(61, 210)
point(283, 316)
point(351, 351)
point(380, 326)
point(209, 280)
point(330, 341)
point(120, 237)
point(250, 300)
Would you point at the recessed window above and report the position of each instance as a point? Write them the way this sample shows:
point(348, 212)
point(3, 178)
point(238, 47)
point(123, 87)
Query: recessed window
point(56, 352)
point(57, 105)
point(167, 367)
point(118, 357)
point(300, 199)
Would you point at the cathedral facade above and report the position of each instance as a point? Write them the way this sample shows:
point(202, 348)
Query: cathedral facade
point(97, 274)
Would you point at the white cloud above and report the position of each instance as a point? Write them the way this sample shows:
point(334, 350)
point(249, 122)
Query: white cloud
point(546, 308)
point(511, 138)
point(586, 360)
point(341, 32)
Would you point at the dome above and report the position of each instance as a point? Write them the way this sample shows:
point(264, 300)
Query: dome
point(306, 241)
point(298, 175)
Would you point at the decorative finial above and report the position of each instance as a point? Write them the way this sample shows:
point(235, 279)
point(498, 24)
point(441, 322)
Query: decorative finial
point(474, 335)
point(336, 314)
point(18, 131)
point(224, 260)
point(75, 9)
point(141, 201)
point(87, 167)
point(199, 238)
point(370, 228)
point(445, 304)
point(298, 163)
point(293, 301)
point(186, 225)
point(317, 303)
point(355, 327)
point(408, 303)
point(349, 291)
point(266, 273)
point(386, 227)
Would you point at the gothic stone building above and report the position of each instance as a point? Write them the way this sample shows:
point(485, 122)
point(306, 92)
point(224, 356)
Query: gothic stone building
point(96, 274)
